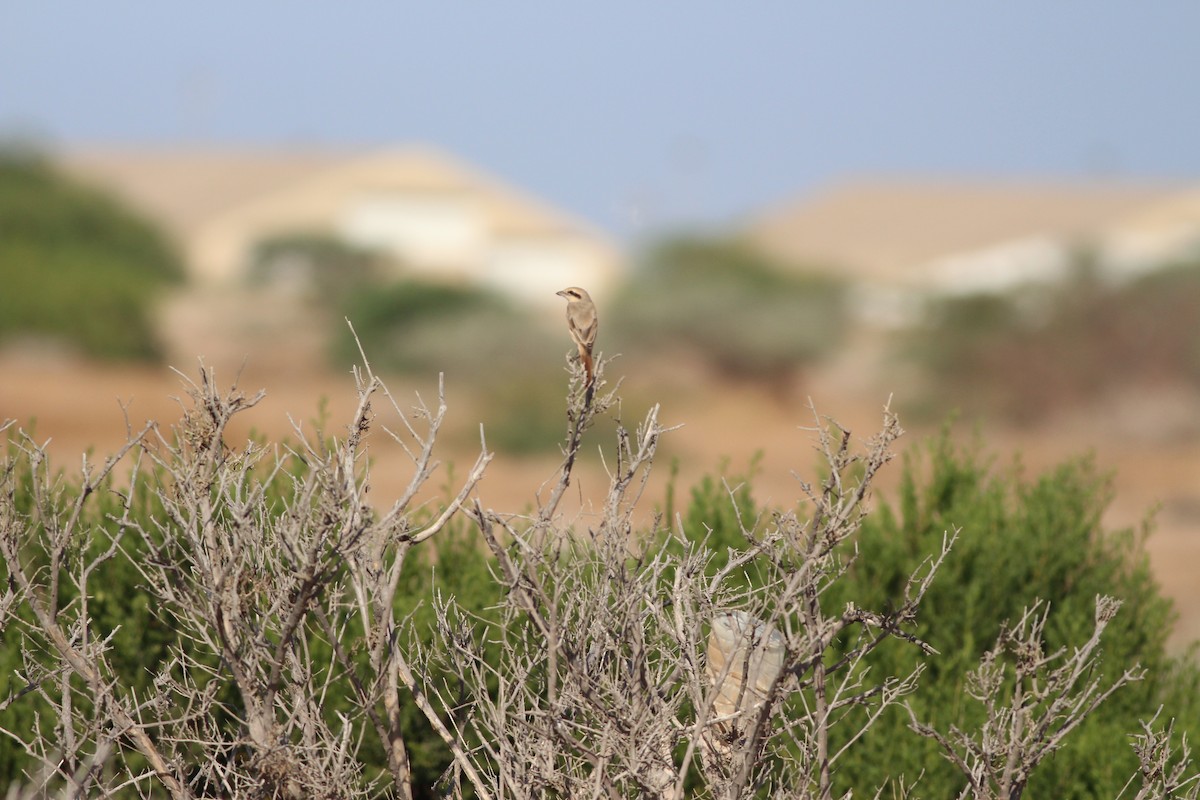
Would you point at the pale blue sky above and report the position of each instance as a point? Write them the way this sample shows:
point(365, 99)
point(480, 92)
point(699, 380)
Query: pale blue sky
point(634, 114)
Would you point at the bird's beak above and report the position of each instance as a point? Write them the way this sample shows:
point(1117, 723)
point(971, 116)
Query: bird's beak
point(563, 293)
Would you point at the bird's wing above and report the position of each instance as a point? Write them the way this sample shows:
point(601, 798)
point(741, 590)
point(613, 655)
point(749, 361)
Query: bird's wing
point(586, 324)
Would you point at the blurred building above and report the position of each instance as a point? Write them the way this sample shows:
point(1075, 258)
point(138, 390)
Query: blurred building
point(434, 215)
point(899, 242)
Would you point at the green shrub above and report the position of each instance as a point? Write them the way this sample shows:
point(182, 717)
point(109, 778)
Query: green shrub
point(417, 327)
point(1029, 352)
point(143, 641)
point(1022, 538)
point(323, 266)
point(75, 265)
point(526, 416)
point(744, 314)
point(477, 339)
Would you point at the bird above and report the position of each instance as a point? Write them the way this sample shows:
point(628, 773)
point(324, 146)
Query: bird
point(582, 324)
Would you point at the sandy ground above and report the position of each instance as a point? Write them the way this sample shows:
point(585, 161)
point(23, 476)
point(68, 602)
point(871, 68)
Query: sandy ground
point(1150, 443)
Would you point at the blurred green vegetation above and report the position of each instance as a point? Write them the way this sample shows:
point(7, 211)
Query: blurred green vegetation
point(414, 326)
point(745, 315)
point(322, 266)
point(480, 340)
point(1030, 352)
point(75, 266)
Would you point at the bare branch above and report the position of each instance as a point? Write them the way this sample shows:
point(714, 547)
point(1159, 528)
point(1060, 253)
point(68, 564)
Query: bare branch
point(1048, 699)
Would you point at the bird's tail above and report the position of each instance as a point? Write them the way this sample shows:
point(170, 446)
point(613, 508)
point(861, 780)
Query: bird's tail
point(588, 367)
point(590, 385)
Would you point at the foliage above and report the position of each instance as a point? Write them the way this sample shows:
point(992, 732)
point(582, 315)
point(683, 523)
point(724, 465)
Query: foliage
point(75, 265)
point(145, 639)
point(1021, 538)
point(1033, 351)
point(413, 326)
point(733, 307)
point(456, 567)
point(322, 266)
point(524, 418)
point(475, 337)
point(140, 640)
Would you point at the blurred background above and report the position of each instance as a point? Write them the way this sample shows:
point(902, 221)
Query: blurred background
point(988, 214)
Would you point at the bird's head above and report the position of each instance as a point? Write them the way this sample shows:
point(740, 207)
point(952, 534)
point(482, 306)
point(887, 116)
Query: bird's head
point(573, 293)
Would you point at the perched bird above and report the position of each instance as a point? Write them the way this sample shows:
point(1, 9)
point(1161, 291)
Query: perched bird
point(582, 323)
